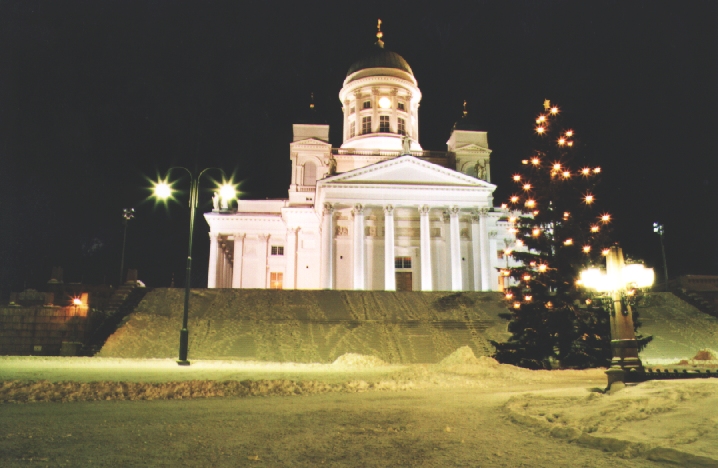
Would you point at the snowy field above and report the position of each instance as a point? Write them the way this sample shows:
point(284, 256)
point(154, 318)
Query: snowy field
point(357, 411)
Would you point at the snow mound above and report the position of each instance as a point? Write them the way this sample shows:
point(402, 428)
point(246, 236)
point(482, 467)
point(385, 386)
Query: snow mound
point(465, 355)
point(358, 360)
point(706, 354)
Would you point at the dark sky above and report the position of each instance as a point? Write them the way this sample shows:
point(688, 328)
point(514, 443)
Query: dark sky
point(98, 97)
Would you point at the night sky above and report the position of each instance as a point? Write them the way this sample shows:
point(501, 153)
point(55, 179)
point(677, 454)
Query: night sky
point(99, 97)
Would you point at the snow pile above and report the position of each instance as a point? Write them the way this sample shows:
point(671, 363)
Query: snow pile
point(661, 420)
point(17, 391)
point(358, 360)
point(706, 357)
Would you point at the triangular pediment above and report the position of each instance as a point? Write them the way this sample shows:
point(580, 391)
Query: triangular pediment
point(310, 142)
point(473, 147)
point(405, 170)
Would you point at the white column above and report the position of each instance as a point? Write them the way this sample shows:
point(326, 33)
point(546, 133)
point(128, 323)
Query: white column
point(475, 251)
point(426, 280)
point(227, 278)
point(265, 267)
point(455, 246)
point(290, 254)
point(484, 246)
point(327, 267)
point(238, 259)
point(213, 251)
point(389, 272)
point(358, 253)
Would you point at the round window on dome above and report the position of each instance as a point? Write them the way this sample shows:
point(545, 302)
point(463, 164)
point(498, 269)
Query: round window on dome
point(384, 102)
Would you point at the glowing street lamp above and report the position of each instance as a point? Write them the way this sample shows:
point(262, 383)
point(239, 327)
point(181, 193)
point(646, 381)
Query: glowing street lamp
point(658, 229)
point(163, 190)
point(127, 214)
point(618, 282)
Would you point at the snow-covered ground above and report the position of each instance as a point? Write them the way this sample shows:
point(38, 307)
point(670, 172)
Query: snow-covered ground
point(358, 411)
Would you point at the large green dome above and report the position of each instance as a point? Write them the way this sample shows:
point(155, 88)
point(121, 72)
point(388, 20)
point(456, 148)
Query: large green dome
point(380, 57)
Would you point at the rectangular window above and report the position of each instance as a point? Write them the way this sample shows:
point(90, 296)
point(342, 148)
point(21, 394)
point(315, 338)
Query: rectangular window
point(352, 130)
point(275, 280)
point(384, 123)
point(402, 262)
point(277, 250)
point(401, 106)
point(401, 126)
point(365, 125)
point(366, 105)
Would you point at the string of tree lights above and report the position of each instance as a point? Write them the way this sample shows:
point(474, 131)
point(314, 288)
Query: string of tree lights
point(559, 230)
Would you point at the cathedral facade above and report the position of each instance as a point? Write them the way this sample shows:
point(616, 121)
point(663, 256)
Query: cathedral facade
point(377, 213)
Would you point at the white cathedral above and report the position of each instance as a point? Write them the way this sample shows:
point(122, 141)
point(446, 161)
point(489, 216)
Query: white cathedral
point(377, 213)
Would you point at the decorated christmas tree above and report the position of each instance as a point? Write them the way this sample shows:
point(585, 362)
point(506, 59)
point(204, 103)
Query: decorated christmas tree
point(559, 230)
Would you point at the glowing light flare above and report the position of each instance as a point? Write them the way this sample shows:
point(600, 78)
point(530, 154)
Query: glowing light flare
point(530, 203)
point(566, 215)
point(588, 199)
point(519, 243)
point(542, 267)
point(596, 170)
point(509, 296)
point(526, 278)
point(508, 252)
point(513, 230)
point(527, 187)
point(516, 177)
point(504, 206)
point(605, 252)
point(595, 228)
point(227, 192)
point(524, 161)
point(586, 248)
point(514, 199)
point(561, 141)
point(535, 212)
point(162, 190)
point(76, 301)
point(517, 305)
point(556, 166)
point(540, 130)
point(535, 161)
point(541, 118)
point(536, 232)
point(605, 218)
point(554, 110)
point(568, 242)
point(384, 102)
point(566, 175)
point(569, 143)
point(569, 133)
point(528, 298)
point(586, 171)
point(549, 305)
point(513, 219)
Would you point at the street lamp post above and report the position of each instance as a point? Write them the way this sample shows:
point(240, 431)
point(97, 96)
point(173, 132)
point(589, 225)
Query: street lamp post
point(658, 229)
point(619, 282)
point(163, 190)
point(127, 214)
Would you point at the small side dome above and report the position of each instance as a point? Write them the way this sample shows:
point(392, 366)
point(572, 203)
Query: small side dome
point(467, 123)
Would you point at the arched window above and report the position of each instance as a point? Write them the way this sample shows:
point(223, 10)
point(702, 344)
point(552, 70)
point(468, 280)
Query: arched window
point(310, 174)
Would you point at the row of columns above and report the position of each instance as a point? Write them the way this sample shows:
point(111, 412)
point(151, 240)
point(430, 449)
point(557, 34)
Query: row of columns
point(480, 249)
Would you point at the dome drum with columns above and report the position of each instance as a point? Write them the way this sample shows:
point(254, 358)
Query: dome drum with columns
point(377, 213)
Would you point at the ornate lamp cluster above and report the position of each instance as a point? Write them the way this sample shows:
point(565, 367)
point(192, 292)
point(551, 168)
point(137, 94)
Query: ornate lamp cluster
point(552, 215)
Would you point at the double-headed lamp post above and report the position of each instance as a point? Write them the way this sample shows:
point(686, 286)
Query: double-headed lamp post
point(163, 190)
point(618, 282)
